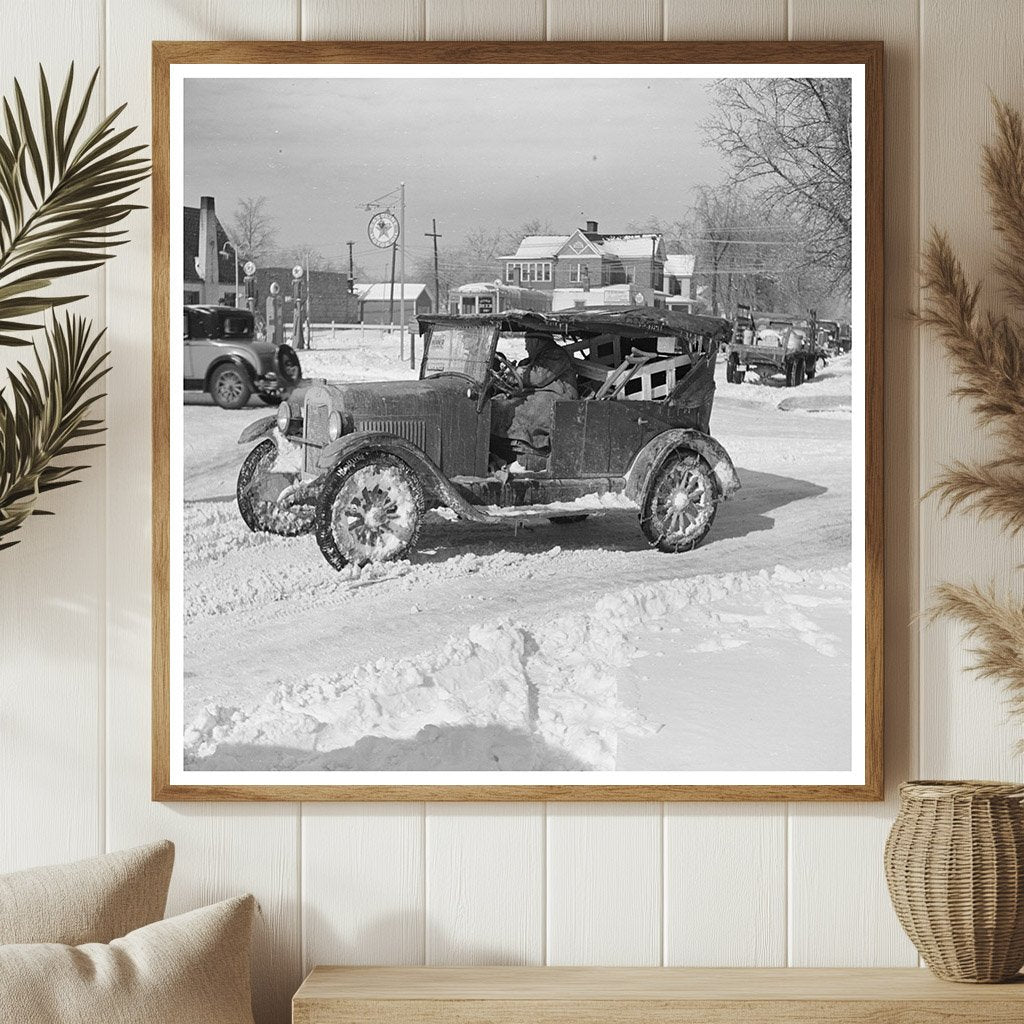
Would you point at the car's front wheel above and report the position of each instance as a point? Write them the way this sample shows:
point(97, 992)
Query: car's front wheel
point(680, 503)
point(230, 386)
point(370, 509)
point(258, 491)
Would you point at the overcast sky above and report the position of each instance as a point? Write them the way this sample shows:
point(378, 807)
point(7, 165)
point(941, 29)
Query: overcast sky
point(472, 153)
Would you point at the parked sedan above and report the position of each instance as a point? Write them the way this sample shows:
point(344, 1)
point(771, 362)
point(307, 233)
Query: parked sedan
point(224, 358)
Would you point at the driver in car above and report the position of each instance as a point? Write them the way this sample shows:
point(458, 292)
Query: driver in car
point(522, 421)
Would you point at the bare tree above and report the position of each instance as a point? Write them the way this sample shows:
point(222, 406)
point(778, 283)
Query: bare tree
point(789, 142)
point(720, 234)
point(678, 235)
point(304, 256)
point(509, 238)
point(253, 228)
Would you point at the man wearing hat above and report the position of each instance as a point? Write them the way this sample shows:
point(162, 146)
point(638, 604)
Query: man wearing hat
point(547, 375)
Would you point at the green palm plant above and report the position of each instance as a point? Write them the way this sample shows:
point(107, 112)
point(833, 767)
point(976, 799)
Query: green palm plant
point(63, 190)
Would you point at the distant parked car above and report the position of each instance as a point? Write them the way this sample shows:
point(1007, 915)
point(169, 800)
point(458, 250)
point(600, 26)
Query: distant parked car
point(772, 343)
point(224, 357)
point(828, 336)
point(845, 336)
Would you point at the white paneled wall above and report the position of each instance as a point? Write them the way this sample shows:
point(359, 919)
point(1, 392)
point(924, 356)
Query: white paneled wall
point(743, 884)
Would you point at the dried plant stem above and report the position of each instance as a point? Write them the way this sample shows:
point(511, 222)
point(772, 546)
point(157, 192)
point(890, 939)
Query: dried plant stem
point(986, 352)
point(997, 630)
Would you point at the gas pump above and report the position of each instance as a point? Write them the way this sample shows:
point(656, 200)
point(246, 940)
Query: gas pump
point(298, 312)
point(250, 285)
point(275, 320)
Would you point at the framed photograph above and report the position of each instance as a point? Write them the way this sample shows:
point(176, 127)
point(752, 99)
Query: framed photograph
point(517, 421)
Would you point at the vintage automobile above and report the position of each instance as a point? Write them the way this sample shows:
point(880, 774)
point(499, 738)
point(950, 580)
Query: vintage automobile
point(772, 342)
point(828, 336)
point(845, 336)
point(357, 464)
point(224, 357)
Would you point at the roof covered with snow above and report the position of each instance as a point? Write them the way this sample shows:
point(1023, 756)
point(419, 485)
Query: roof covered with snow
point(535, 247)
point(382, 292)
point(632, 245)
point(679, 265)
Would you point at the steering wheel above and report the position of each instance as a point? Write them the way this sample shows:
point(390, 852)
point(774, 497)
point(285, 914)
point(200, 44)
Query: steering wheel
point(504, 375)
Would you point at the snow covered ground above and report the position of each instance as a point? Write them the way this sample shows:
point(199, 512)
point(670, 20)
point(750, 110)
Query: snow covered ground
point(553, 647)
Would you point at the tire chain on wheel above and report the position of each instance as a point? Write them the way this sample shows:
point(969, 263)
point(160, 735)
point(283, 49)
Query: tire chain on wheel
point(323, 526)
point(258, 520)
point(658, 540)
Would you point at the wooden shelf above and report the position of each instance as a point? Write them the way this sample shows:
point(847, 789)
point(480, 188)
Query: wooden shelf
point(631, 995)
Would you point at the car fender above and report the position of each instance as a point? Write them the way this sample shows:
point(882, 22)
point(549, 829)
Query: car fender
point(263, 427)
point(653, 455)
point(239, 361)
point(418, 461)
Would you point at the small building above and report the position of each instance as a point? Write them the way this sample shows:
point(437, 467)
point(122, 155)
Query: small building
point(589, 260)
point(495, 297)
point(328, 291)
point(209, 261)
point(609, 295)
point(376, 305)
point(680, 293)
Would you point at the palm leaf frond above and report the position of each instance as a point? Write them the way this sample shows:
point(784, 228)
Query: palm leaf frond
point(63, 190)
point(46, 419)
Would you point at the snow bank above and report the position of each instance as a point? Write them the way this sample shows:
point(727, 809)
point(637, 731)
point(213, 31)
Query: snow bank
point(351, 356)
point(830, 393)
point(554, 682)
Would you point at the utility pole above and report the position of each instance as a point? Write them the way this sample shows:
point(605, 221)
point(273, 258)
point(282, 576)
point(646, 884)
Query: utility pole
point(437, 285)
point(391, 299)
point(351, 268)
point(654, 249)
point(401, 238)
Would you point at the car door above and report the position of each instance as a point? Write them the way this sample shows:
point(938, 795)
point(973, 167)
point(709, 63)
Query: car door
point(188, 358)
point(596, 438)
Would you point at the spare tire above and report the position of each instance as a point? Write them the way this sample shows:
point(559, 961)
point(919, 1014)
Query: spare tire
point(289, 369)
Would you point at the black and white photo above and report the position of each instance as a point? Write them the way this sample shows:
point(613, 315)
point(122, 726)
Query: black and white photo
point(517, 435)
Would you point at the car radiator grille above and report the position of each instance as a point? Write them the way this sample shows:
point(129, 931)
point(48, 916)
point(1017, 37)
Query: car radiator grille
point(315, 427)
point(412, 430)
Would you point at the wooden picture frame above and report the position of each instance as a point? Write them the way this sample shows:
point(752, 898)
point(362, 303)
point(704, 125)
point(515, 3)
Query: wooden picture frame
point(169, 786)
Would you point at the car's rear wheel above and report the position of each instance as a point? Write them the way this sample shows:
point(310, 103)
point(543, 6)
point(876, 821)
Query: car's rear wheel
point(230, 386)
point(257, 501)
point(680, 503)
point(733, 373)
point(795, 372)
point(811, 369)
point(370, 510)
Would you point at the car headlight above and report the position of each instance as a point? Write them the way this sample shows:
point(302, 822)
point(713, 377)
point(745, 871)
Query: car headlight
point(284, 417)
point(334, 426)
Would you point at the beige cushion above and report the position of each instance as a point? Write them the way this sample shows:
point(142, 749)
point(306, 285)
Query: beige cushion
point(93, 900)
point(191, 969)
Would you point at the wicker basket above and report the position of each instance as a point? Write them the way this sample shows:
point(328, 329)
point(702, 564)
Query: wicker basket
point(954, 861)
